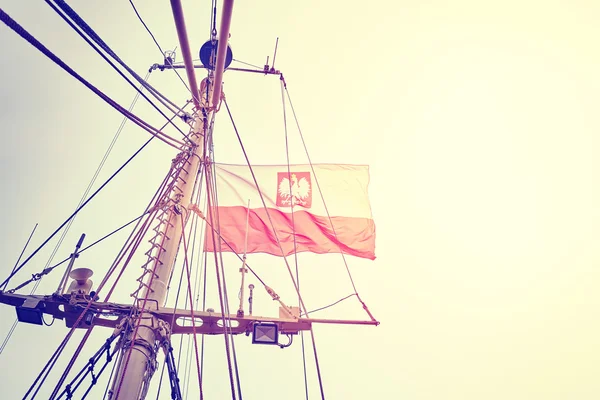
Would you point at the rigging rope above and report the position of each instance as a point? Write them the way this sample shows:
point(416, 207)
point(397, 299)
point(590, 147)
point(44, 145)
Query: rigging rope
point(213, 21)
point(191, 298)
point(16, 321)
point(19, 258)
point(143, 307)
point(227, 320)
point(303, 306)
point(325, 206)
point(279, 243)
point(201, 264)
point(158, 45)
point(332, 304)
point(198, 276)
point(304, 364)
point(145, 26)
point(134, 240)
point(265, 206)
point(3, 285)
point(92, 34)
point(312, 337)
point(188, 366)
point(136, 236)
point(76, 211)
point(37, 277)
point(233, 250)
point(12, 24)
point(50, 364)
point(212, 198)
point(287, 155)
point(205, 268)
point(248, 64)
point(142, 82)
point(173, 320)
point(193, 227)
point(48, 367)
point(88, 368)
point(160, 380)
point(173, 377)
point(335, 234)
point(174, 174)
point(209, 194)
point(71, 362)
point(89, 187)
point(112, 371)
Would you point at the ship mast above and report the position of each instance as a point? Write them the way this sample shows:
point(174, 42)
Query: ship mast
point(147, 325)
point(135, 371)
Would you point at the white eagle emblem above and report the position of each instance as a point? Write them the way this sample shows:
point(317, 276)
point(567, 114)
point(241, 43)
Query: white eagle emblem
point(300, 193)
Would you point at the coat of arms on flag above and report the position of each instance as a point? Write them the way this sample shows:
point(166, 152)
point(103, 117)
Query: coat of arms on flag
point(294, 192)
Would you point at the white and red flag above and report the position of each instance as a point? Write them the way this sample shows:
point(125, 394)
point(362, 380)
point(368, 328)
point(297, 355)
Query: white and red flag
point(344, 188)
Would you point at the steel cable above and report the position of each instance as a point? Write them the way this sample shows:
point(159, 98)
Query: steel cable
point(287, 155)
point(12, 24)
point(90, 32)
point(326, 209)
point(158, 45)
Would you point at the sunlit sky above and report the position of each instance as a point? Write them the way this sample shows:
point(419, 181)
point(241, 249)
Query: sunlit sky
point(479, 122)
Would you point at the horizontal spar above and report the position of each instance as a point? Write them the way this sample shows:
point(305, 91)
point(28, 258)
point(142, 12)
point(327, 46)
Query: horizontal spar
point(162, 67)
point(31, 307)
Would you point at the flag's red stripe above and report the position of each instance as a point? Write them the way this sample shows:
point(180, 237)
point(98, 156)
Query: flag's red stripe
point(355, 236)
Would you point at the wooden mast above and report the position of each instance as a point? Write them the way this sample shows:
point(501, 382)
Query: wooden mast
point(137, 364)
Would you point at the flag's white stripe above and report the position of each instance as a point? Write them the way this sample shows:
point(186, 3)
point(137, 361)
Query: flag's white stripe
point(344, 187)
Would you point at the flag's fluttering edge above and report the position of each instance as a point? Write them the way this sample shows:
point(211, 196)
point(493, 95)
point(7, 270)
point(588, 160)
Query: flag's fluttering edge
point(344, 189)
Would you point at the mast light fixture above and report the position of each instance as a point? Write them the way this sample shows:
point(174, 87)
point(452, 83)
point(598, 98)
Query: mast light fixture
point(30, 312)
point(265, 333)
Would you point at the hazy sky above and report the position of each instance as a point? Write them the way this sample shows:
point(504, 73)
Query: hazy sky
point(479, 121)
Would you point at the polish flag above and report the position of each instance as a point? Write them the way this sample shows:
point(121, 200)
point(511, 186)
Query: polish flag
point(349, 228)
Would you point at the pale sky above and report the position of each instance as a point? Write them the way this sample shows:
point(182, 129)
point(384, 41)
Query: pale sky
point(478, 120)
